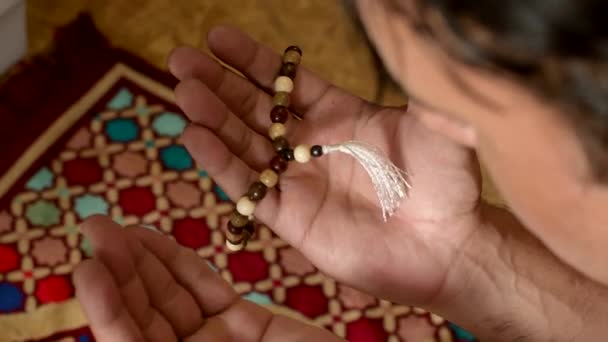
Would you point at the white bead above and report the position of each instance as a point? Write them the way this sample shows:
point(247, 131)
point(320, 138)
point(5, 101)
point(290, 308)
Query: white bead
point(234, 248)
point(276, 130)
point(245, 206)
point(284, 84)
point(302, 153)
point(269, 178)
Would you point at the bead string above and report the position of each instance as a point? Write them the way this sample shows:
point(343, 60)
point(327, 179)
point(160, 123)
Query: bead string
point(389, 181)
point(241, 227)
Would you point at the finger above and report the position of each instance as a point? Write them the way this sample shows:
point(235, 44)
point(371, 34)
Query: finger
point(243, 98)
point(101, 301)
point(204, 108)
point(212, 293)
point(171, 299)
point(110, 246)
point(261, 64)
point(231, 173)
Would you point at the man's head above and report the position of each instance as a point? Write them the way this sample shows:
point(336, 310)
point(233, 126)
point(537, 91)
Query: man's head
point(525, 83)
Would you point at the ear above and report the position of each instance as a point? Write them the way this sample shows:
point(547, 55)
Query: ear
point(453, 128)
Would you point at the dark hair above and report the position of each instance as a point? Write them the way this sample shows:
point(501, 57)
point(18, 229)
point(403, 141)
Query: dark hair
point(559, 47)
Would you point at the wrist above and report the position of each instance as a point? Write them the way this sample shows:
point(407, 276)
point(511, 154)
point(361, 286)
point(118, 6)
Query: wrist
point(506, 285)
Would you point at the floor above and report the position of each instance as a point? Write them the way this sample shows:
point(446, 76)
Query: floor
point(151, 28)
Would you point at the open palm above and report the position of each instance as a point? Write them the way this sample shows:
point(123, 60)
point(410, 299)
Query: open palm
point(141, 286)
point(328, 208)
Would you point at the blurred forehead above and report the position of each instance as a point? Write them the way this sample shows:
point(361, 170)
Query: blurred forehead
point(424, 70)
point(423, 67)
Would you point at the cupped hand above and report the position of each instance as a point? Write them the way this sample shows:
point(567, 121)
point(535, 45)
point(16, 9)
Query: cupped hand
point(142, 286)
point(327, 208)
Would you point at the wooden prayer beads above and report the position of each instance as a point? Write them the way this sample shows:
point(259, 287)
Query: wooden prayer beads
point(316, 151)
point(257, 191)
point(269, 178)
point(279, 114)
point(278, 164)
point(280, 144)
point(389, 182)
point(240, 227)
point(302, 153)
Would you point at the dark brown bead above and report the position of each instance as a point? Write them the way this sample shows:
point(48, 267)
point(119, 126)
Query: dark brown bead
point(257, 191)
point(236, 235)
point(289, 70)
point(280, 144)
point(238, 220)
point(287, 155)
point(278, 165)
point(245, 241)
point(235, 230)
point(316, 151)
point(248, 232)
point(294, 48)
point(249, 229)
point(279, 114)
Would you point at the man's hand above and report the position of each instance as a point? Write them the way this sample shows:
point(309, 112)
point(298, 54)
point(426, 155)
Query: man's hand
point(435, 252)
point(328, 208)
point(141, 286)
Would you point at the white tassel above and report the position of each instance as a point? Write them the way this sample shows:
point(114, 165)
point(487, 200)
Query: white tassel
point(389, 180)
